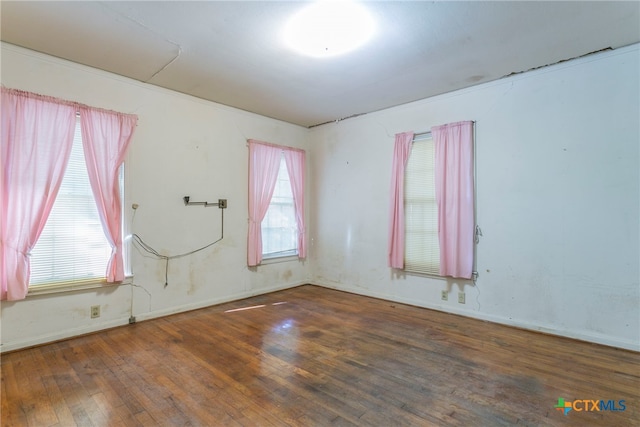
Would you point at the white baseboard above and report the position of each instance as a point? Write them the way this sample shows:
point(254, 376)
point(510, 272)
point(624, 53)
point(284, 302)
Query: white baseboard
point(67, 333)
point(88, 329)
point(549, 329)
point(214, 301)
point(587, 336)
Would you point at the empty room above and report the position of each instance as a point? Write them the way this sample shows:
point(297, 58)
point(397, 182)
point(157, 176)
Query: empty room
point(402, 213)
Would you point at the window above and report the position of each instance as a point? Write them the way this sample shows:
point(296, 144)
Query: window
point(72, 246)
point(276, 202)
point(279, 228)
point(37, 140)
point(422, 251)
point(439, 199)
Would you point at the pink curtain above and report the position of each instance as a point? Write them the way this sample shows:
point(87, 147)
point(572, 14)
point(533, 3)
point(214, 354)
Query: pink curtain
point(37, 135)
point(396, 209)
point(454, 196)
point(264, 162)
point(105, 138)
point(295, 160)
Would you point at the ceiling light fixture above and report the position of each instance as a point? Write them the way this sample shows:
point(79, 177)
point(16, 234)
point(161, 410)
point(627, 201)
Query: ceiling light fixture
point(329, 28)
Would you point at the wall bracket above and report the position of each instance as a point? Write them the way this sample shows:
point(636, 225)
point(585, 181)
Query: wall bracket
point(222, 203)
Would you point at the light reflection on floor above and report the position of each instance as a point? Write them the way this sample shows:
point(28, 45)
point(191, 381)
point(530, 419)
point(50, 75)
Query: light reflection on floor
point(254, 306)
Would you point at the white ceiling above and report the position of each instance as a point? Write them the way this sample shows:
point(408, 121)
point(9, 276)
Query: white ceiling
point(231, 52)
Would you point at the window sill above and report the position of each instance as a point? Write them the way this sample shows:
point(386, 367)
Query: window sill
point(278, 259)
point(422, 273)
point(73, 287)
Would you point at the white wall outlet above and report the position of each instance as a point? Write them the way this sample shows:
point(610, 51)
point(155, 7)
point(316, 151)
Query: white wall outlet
point(461, 297)
point(95, 311)
point(444, 295)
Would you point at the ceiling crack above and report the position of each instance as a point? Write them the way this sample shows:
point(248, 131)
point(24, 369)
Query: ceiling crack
point(146, 27)
point(513, 73)
point(337, 120)
point(167, 64)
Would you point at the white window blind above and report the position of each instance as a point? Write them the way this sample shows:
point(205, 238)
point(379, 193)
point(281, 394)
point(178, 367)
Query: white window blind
point(72, 247)
point(422, 250)
point(279, 228)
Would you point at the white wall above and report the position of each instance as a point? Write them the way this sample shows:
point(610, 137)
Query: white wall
point(557, 200)
point(182, 146)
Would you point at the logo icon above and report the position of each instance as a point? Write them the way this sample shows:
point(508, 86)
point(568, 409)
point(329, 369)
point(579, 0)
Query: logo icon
point(563, 406)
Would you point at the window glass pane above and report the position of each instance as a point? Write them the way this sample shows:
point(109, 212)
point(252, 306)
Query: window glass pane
point(279, 229)
point(422, 250)
point(72, 246)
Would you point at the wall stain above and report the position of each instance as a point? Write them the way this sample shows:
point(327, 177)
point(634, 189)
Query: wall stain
point(192, 281)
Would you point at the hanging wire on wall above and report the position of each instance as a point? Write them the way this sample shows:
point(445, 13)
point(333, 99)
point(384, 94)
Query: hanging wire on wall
point(222, 204)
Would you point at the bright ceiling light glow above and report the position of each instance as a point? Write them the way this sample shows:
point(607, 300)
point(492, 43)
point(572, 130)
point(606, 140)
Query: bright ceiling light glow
point(329, 28)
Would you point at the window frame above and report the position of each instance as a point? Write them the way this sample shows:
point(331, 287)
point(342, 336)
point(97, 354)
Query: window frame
point(430, 247)
point(93, 283)
point(455, 185)
point(281, 256)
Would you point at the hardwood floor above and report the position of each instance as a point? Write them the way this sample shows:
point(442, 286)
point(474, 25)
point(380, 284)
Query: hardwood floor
point(310, 356)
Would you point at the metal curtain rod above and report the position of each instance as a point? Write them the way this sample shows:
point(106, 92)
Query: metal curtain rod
point(421, 135)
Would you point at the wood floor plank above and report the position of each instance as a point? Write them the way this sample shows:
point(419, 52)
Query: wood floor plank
point(12, 415)
point(54, 395)
point(311, 356)
point(277, 359)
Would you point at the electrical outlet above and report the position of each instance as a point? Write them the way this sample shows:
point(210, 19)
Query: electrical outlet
point(222, 203)
point(95, 311)
point(461, 297)
point(444, 295)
